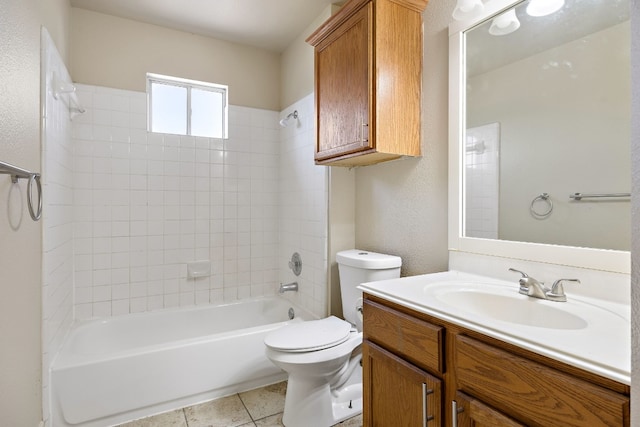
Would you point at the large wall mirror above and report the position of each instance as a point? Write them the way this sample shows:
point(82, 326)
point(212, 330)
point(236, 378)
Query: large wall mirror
point(540, 124)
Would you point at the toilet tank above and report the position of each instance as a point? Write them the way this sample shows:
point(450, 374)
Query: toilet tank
point(355, 267)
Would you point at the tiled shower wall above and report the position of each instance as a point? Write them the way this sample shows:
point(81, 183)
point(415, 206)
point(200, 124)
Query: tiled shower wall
point(145, 204)
point(57, 212)
point(303, 209)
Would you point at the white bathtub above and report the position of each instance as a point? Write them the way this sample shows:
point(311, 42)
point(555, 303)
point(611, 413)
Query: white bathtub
point(123, 368)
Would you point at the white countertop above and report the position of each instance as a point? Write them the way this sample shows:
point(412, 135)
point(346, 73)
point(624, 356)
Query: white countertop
point(601, 346)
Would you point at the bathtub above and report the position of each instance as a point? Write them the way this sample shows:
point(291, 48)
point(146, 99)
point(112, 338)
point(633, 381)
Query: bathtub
point(123, 368)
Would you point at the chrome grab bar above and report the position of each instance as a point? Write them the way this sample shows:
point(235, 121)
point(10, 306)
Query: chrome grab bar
point(580, 196)
point(18, 173)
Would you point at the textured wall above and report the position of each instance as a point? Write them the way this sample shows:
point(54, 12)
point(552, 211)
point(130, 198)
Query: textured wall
point(20, 248)
point(635, 212)
point(401, 206)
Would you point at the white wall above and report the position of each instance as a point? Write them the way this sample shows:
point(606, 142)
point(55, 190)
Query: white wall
point(401, 206)
point(559, 158)
point(101, 44)
point(635, 212)
point(21, 248)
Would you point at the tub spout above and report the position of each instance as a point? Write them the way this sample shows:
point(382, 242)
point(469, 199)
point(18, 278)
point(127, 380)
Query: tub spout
point(293, 286)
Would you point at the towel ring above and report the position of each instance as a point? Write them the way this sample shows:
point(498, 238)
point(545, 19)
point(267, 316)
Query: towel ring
point(544, 197)
point(34, 178)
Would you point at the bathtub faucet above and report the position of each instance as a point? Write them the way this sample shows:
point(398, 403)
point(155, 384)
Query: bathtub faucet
point(293, 286)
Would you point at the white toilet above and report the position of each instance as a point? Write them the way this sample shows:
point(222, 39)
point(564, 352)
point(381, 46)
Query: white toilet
point(322, 357)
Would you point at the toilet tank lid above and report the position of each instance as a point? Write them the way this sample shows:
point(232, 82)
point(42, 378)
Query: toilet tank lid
point(368, 260)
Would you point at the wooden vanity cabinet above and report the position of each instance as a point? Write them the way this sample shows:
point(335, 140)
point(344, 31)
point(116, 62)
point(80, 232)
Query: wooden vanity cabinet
point(368, 66)
point(472, 412)
point(486, 382)
point(401, 394)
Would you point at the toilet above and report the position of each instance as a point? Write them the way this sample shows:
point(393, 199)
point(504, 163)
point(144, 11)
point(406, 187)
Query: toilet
point(322, 357)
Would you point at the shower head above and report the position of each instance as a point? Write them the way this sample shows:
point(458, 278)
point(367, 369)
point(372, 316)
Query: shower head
point(285, 122)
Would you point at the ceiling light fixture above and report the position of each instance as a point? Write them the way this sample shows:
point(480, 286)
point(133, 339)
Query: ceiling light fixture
point(544, 7)
point(466, 9)
point(504, 24)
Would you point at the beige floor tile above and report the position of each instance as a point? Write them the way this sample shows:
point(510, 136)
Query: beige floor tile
point(225, 412)
point(352, 422)
point(272, 421)
point(168, 419)
point(265, 401)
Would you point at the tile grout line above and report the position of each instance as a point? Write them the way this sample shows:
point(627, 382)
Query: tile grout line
point(246, 409)
point(184, 414)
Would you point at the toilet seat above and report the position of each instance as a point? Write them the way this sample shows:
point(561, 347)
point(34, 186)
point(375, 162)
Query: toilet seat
point(308, 336)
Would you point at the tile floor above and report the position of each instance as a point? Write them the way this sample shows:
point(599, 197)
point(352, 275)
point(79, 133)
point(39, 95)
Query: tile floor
point(261, 407)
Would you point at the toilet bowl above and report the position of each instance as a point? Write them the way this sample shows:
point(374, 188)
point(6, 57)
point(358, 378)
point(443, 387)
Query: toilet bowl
point(323, 357)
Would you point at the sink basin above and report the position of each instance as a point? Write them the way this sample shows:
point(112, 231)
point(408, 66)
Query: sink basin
point(506, 305)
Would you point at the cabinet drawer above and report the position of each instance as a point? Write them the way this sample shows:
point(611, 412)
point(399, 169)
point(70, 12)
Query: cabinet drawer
point(533, 393)
point(413, 339)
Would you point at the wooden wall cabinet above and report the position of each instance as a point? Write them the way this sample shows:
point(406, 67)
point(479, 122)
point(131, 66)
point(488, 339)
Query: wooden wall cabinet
point(368, 66)
point(483, 381)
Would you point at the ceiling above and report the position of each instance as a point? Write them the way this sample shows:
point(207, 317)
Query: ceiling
point(267, 24)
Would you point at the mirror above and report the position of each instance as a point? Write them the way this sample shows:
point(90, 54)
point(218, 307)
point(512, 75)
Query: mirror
point(540, 110)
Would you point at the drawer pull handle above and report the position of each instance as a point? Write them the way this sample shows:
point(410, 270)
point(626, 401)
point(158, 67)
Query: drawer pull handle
point(425, 392)
point(454, 413)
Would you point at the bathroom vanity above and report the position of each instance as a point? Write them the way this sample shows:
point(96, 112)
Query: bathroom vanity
point(431, 361)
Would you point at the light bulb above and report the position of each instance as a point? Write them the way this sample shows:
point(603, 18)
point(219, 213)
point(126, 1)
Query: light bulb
point(466, 9)
point(504, 24)
point(544, 7)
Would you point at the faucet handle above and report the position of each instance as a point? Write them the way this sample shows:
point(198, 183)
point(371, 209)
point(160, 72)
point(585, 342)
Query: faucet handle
point(524, 282)
point(557, 290)
point(518, 271)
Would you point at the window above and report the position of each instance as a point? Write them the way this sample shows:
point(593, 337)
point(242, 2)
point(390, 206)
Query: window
point(186, 107)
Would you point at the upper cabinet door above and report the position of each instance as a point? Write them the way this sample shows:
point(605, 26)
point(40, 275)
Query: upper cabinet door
point(368, 65)
point(343, 87)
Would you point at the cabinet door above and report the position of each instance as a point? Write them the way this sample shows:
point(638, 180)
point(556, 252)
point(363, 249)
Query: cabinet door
point(470, 412)
point(396, 393)
point(535, 393)
point(343, 66)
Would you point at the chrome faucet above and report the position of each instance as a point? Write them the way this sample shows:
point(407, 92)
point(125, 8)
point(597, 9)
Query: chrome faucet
point(530, 286)
point(289, 287)
point(533, 288)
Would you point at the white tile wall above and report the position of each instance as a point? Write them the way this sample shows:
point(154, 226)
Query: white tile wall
point(303, 209)
point(145, 204)
point(57, 213)
point(482, 175)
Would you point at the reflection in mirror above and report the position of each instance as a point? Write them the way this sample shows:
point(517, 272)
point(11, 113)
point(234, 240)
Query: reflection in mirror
point(548, 102)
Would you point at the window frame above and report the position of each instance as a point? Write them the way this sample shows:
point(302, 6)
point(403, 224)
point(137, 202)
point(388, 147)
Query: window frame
point(189, 85)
